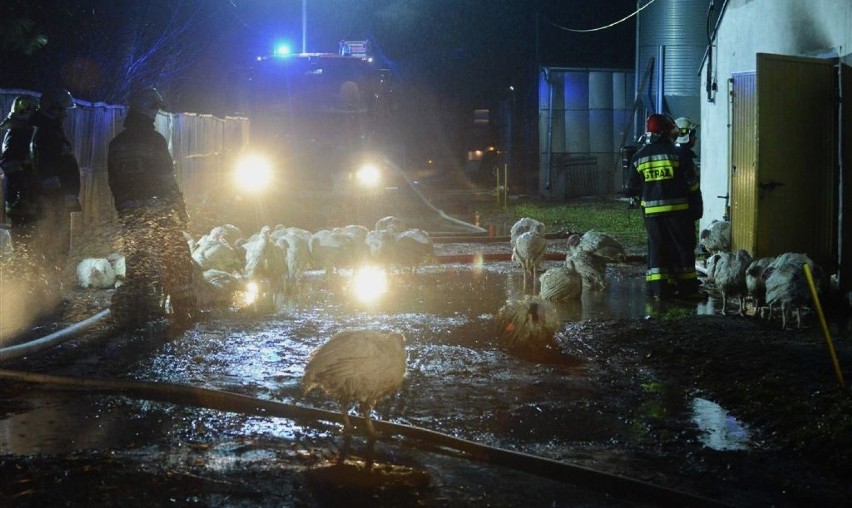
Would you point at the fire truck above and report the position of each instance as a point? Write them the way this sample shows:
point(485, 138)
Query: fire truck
point(321, 122)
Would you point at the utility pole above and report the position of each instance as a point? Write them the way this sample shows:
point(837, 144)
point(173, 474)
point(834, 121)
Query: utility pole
point(304, 26)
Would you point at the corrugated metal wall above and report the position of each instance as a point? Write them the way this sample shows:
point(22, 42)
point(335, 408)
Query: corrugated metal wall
point(584, 114)
point(680, 27)
point(200, 145)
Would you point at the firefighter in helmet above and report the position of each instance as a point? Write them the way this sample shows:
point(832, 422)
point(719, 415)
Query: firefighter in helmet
point(686, 137)
point(19, 184)
point(45, 182)
point(151, 209)
point(662, 178)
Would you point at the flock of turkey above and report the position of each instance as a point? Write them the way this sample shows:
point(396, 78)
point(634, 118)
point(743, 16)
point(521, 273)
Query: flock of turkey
point(528, 325)
point(361, 365)
point(226, 261)
point(768, 283)
point(353, 366)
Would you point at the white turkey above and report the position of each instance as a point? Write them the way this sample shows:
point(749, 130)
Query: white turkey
point(602, 245)
point(589, 255)
point(755, 282)
point(212, 251)
point(358, 235)
point(412, 248)
point(528, 325)
point(730, 276)
point(277, 232)
point(229, 232)
point(529, 252)
point(394, 225)
point(560, 283)
point(330, 250)
point(298, 256)
point(380, 245)
point(266, 261)
point(787, 286)
point(95, 273)
point(215, 288)
point(521, 226)
point(710, 271)
point(357, 365)
point(716, 238)
point(119, 265)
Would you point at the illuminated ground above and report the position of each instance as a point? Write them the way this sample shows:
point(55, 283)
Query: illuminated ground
point(719, 406)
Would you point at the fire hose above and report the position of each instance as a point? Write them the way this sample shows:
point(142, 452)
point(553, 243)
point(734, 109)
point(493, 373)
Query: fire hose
point(48, 341)
point(420, 437)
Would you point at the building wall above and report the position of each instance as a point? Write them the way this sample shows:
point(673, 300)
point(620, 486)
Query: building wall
point(812, 28)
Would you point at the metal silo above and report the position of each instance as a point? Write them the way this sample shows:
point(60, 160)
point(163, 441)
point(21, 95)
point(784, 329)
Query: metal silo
point(671, 38)
point(576, 93)
point(600, 112)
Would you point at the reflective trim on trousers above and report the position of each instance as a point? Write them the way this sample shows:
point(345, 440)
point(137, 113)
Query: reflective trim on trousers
point(654, 210)
point(686, 275)
point(653, 276)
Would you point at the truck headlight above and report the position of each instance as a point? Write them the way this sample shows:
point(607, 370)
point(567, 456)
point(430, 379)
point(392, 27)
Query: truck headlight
point(368, 175)
point(253, 173)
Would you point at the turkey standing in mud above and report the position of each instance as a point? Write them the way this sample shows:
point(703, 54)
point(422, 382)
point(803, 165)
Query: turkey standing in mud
point(523, 225)
point(600, 244)
point(756, 284)
point(730, 276)
point(716, 238)
point(528, 252)
point(357, 365)
point(787, 286)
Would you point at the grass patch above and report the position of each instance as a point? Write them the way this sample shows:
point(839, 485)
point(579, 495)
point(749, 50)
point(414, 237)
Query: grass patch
point(605, 215)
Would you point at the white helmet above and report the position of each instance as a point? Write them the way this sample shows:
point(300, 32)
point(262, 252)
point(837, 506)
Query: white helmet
point(686, 127)
point(147, 101)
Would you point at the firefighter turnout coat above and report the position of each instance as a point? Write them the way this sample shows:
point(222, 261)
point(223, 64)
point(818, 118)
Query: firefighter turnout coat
point(664, 176)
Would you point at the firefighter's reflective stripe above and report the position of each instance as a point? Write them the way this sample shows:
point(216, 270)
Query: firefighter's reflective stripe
point(664, 206)
point(657, 167)
point(684, 273)
point(654, 274)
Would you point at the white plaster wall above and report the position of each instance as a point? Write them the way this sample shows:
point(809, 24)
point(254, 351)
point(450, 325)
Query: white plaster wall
point(812, 28)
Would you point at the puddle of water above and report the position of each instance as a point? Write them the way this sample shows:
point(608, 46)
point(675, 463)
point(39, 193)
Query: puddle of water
point(720, 431)
point(447, 315)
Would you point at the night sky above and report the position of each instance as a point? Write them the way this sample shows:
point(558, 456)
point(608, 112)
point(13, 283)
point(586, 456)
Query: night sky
point(464, 51)
point(448, 57)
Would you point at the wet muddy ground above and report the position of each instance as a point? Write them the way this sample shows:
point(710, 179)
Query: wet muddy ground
point(710, 408)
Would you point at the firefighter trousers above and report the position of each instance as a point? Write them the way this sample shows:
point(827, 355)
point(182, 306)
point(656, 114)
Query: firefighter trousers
point(671, 254)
